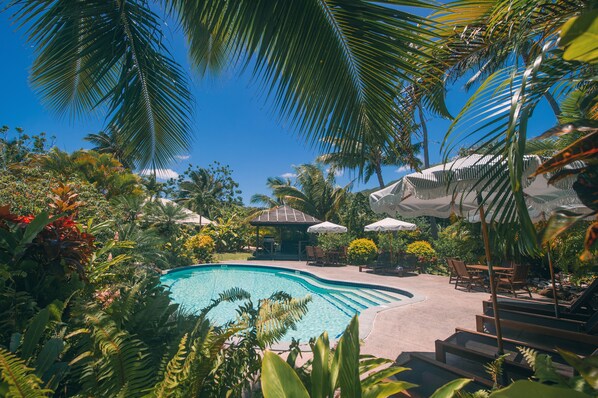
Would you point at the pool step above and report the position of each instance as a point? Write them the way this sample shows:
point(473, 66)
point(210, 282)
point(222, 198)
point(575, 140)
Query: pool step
point(347, 307)
point(352, 301)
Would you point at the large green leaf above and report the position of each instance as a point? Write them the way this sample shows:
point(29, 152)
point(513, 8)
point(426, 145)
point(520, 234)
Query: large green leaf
point(279, 380)
point(579, 37)
point(348, 361)
point(34, 332)
point(450, 389)
point(320, 368)
point(527, 389)
point(587, 367)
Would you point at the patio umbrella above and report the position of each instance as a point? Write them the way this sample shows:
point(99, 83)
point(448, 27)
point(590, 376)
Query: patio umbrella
point(457, 187)
point(390, 225)
point(327, 228)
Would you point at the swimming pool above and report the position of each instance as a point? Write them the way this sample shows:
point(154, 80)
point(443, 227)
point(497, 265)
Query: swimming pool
point(333, 303)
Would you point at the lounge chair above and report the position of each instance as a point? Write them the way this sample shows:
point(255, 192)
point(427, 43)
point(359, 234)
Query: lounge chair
point(589, 326)
point(514, 280)
point(311, 255)
point(580, 308)
point(451, 268)
point(466, 277)
point(382, 264)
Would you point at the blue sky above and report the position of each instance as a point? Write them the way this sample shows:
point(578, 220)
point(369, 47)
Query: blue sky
point(233, 122)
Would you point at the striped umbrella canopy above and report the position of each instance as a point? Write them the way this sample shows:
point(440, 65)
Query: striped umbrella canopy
point(458, 187)
point(327, 227)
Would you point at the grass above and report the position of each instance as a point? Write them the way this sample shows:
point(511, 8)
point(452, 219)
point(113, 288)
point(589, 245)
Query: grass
point(231, 256)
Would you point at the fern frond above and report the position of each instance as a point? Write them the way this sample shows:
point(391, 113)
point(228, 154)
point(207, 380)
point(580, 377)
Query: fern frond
point(276, 317)
point(529, 354)
point(174, 370)
point(494, 369)
point(21, 380)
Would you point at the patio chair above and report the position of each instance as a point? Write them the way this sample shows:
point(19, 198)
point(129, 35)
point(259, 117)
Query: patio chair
point(320, 256)
point(382, 263)
point(581, 308)
point(451, 268)
point(516, 279)
point(342, 255)
point(467, 277)
point(311, 255)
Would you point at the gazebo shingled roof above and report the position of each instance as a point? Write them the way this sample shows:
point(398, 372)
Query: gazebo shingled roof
point(284, 215)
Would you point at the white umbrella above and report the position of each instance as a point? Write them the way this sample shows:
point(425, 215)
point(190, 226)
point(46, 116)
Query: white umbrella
point(327, 228)
point(390, 224)
point(455, 187)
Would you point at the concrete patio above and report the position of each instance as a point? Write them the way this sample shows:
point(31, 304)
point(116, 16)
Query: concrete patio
point(408, 328)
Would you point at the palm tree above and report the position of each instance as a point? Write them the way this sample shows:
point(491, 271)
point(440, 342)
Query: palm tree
point(112, 142)
point(201, 192)
point(332, 68)
point(314, 192)
point(271, 201)
point(369, 158)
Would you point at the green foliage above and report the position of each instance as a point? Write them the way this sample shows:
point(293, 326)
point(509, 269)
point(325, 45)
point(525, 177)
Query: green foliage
point(422, 249)
point(331, 372)
point(459, 240)
point(207, 191)
point(579, 36)
point(566, 248)
point(362, 251)
point(334, 241)
point(356, 213)
point(391, 242)
point(231, 233)
point(200, 248)
point(18, 380)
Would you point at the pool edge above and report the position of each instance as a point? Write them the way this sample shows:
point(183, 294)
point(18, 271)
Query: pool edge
point(366, 318)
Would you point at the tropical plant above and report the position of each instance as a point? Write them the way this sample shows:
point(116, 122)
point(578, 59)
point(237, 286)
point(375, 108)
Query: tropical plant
point(330, 242)
point(112, 142)
point(361, 251)
point(17, 148)
point(273, 201)
point(422, 249)
point(332, 371)
point(231, 232)
point(206, 190)
point(200, 248)
point(356, 213)
point(314, 192)
point(368, 158)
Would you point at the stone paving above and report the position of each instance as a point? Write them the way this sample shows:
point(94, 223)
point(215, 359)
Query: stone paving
point(412, 327)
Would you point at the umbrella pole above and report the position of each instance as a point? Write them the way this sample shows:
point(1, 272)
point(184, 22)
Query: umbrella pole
point(492, 284)
point(552, 279)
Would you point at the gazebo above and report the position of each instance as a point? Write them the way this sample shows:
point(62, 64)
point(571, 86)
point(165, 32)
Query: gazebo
point(292, 227)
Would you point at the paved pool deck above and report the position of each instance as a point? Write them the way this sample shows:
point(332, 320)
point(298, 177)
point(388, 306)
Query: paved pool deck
point(409, 328)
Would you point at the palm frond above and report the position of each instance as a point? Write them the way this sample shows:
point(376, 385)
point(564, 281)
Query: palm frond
point(331, 67)
point(110, 55)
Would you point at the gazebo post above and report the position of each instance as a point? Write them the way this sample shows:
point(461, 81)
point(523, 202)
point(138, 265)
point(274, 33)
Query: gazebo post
point(257, 238)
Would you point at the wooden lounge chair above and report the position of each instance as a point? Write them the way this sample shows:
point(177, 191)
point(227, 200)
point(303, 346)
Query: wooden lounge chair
point(536, 308)
point(580, 308)
point(382, 263)
point(451, 268)
point(514, 280)
point(311, 255)
point(466, 277)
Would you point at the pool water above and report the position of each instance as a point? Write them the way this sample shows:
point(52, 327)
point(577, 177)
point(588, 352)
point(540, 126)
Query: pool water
point(331, 308)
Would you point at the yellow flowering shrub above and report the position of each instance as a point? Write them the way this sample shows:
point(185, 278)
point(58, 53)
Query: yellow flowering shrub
point(362, 251)
point(200, 248)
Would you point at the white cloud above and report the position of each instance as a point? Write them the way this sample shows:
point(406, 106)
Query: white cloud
point(403, 169)
point(161, 174)
point(288, 175)
point(182, 157)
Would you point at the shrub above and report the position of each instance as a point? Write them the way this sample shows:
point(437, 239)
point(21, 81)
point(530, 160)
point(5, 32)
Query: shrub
point(361, 251)
point(422, 250)
point(334, 241)
point(200, 248)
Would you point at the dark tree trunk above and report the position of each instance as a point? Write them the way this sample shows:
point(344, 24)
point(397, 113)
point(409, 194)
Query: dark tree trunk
point(379, 175)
